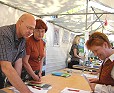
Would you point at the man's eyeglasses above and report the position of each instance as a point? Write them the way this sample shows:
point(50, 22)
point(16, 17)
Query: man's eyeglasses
point(30, 28)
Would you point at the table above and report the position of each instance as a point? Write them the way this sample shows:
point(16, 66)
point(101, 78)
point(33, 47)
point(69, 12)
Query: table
point(59, 83)
point(94, 68)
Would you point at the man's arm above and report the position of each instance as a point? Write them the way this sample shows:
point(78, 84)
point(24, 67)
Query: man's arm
point(99, 88)
point(13, 77)
point(105, 88)
point(112, 72)
point(18, 66)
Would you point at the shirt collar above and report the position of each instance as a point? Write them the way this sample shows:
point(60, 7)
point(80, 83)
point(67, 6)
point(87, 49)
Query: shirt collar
point(15, 35)
point(112, 57)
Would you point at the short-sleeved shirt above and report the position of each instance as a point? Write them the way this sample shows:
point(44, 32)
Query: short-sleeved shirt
point(35, 48)
point(11, 48)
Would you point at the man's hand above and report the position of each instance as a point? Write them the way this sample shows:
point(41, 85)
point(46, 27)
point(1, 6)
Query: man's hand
point(93, 80)
point(92, 85)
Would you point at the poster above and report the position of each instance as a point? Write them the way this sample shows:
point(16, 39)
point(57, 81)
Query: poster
point(56, 36)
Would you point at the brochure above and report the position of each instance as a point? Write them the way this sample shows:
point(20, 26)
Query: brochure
point(34, 90)
point(62, 74)
point(39, 85)
point(73, 90)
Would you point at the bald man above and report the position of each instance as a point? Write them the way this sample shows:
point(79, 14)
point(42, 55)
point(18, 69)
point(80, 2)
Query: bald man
point(12, 49)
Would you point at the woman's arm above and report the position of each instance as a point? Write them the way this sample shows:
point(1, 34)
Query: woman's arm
point(28, 68)
point(41, 65)
point(75, 53)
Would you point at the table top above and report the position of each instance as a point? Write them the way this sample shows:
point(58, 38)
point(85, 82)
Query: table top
point(95, 68)
point(59, 83)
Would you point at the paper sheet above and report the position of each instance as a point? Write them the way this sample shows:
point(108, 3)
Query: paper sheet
point(32, 89)
point(72, 90)
point(90, 75)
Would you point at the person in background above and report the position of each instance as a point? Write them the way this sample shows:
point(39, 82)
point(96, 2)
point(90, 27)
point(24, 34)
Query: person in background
point(100, 45)
point(12, 49)
point(35, 50)
point(74, 52)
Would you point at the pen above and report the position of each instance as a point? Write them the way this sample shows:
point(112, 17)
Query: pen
point(74, 90)
point(36, 87)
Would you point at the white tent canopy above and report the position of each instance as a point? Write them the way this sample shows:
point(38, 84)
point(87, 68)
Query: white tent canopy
point(74, 15)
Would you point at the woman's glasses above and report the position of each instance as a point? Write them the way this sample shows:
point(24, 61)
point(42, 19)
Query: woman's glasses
point(39, 30)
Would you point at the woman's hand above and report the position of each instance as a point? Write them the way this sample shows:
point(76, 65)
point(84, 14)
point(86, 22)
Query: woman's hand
point(36, 78)
point(40, 75)
point(82, 57)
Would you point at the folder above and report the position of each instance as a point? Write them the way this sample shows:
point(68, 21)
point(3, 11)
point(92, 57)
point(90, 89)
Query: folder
point(62, 74)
